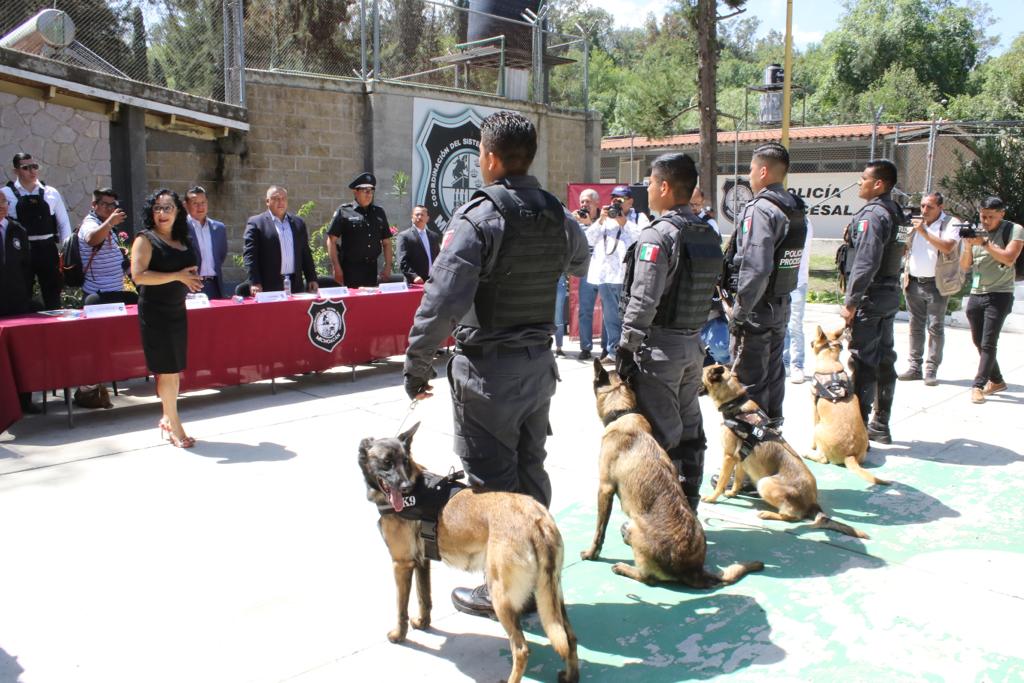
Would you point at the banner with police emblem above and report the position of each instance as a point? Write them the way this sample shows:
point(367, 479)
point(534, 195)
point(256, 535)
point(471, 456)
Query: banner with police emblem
point(326, 324)
point(446, 156)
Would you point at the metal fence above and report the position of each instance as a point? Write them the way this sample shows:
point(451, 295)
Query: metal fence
point(192, 46)
point(426, 42)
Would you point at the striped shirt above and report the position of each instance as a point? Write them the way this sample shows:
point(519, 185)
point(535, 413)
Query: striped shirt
point(106, 273)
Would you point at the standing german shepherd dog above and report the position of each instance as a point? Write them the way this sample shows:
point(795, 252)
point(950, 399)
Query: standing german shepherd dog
point(667, 540)
point(511, 537)
point(782, 478)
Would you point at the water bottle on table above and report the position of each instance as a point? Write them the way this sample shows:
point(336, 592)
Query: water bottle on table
point(287, 286)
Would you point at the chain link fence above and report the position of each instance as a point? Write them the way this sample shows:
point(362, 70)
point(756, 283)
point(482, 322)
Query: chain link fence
point(192, 46)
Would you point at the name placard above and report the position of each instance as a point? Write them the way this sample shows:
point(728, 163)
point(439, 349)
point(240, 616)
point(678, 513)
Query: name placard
point(265, 297)
point(392, 287)
point(333, 292)
point(104, 310)
point(196, 300)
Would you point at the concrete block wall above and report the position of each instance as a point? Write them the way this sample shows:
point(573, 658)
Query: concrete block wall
point(72, 147)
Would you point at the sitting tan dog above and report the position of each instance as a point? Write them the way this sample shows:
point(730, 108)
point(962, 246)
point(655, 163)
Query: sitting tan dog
point(750, 447)
point(667, 540)
point(839, 433)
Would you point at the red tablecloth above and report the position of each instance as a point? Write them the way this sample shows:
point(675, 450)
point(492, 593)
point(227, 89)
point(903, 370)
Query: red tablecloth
point(228, 343)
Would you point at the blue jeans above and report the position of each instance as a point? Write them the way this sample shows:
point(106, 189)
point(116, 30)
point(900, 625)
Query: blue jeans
point(611, 330)
point(588, 297)
point(794, 345)
point(560, 294)
point(715, 336)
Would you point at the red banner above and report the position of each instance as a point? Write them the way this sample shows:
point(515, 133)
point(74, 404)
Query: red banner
point(228, 343)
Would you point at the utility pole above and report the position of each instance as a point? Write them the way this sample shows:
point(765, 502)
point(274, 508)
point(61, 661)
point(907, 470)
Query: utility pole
point(787, 78)
point(707, 46)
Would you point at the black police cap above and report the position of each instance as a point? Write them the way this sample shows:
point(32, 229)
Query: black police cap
point(363, 179)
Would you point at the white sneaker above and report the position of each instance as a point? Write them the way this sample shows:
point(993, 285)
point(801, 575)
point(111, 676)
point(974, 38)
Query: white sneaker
point(796, 375)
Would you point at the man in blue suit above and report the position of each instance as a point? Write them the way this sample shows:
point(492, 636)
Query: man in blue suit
point(276, 245)
point(209, 240)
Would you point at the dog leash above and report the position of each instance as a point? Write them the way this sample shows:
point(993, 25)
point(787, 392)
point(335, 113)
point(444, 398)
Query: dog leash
point(412, 407)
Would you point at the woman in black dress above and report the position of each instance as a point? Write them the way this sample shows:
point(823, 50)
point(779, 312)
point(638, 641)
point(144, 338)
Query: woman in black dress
point(164, 268)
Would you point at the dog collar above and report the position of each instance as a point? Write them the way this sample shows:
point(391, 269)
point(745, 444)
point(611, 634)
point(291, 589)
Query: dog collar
point(616, 414)
point(730, 408)
point(833, 386)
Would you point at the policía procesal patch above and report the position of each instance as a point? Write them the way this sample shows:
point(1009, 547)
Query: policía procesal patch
point(649, 252)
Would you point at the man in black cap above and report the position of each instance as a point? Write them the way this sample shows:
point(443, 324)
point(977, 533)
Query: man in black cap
point(495, 282)
point(623, 196)
point(359, 232)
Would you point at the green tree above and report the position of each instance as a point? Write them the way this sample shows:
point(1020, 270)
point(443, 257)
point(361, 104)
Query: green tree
point(140, 61)
point(999, 88)
point(997, 170)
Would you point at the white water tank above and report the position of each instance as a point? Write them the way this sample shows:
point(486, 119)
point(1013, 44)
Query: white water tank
point(43, 34)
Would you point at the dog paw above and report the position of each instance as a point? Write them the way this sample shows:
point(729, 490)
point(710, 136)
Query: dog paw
point(764, 514)
point(589, 554)
point(397, 636)
point(710, 499)
point(421, 624)
point(730, 494)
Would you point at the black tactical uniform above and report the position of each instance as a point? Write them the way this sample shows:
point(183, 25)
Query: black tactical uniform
point(769, 245)
point(359, 231)
point(671, 273)
point(38, 219)
point(496, 275)
point(878, 235)
point(15, 271)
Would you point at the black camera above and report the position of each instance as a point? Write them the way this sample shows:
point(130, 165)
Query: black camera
point(968, 231)
point(582, 212)
point(614, 210)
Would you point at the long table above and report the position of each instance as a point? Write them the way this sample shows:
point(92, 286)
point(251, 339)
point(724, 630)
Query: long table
point(229, 343)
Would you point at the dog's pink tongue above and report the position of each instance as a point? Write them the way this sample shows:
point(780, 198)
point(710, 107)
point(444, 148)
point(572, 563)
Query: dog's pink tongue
point(397, 502)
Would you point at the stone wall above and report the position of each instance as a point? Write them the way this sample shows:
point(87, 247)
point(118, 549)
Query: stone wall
point(72, 147)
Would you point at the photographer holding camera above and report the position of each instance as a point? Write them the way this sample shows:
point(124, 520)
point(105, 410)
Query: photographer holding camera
point(586, 216)
point(609, 238)
point(991, 256)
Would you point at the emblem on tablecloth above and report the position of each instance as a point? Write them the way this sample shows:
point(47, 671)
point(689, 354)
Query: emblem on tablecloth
point(326, 324)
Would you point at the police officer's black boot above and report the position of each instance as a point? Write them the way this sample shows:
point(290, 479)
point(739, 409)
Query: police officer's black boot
point(688, 459)
point(878, 428)
point(474, 601)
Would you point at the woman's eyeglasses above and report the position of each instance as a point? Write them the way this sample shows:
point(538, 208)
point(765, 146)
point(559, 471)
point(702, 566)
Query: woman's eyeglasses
point(164, 208)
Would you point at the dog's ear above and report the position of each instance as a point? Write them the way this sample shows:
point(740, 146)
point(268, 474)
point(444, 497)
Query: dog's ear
point(819, 334)
point(601, 378)
point(406, 437)
point(364, 449)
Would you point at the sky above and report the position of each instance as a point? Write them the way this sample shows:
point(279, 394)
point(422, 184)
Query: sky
point(812, 19)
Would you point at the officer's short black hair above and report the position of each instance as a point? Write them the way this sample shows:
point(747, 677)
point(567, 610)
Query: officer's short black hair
point(993, 204)
point(679, 171)
point(773, 154)
point(103, 192)
point(512, 138)
point(884, 170)
point(20, 157)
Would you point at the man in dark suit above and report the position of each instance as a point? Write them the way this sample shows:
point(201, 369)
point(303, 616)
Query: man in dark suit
point(417, 248)
point(209, 240)
point(277, 245)
point(15, 277)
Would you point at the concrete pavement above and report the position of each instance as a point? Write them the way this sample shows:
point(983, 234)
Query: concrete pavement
point(255, 556)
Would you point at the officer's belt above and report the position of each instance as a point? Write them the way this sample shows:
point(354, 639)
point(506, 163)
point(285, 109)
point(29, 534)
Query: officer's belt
point(40, 238)
point(752, 427)
point(834, 386)
point(503, 351)
point(424, 504)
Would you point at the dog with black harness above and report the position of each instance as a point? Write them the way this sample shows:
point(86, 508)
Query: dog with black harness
point(752, 448)
point(840, 436)
point(509, 536)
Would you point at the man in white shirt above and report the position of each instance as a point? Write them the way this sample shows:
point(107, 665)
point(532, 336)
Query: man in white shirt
point(623, 193)
point(701, 211)
point(210, 241)
point(793, 349)
point(936, 231)
point(587, 215)
point(609, 238)
point(40, 210)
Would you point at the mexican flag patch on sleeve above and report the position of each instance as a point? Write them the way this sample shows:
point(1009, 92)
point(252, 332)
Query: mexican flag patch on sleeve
point(862, 226)
point(648, 252)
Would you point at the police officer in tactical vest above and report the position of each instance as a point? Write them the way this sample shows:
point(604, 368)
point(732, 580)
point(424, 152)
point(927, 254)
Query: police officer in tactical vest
point(40, 210)
point(496, 277)
point(878, 237)
point(671, 273)
point(769, 244)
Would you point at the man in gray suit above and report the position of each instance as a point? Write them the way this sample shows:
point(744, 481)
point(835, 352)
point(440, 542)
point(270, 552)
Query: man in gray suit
point(210, 241)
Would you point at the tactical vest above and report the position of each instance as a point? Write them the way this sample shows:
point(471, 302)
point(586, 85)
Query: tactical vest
point(522, 286)
point(787, 256)
point(424, 504)
point(34, 213)
point(895, 247)
point(685, 303)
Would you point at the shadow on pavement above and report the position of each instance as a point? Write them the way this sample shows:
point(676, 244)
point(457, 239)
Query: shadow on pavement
point(660, 642)
point(884, 506)
point(959, 452)
point(234, 453)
